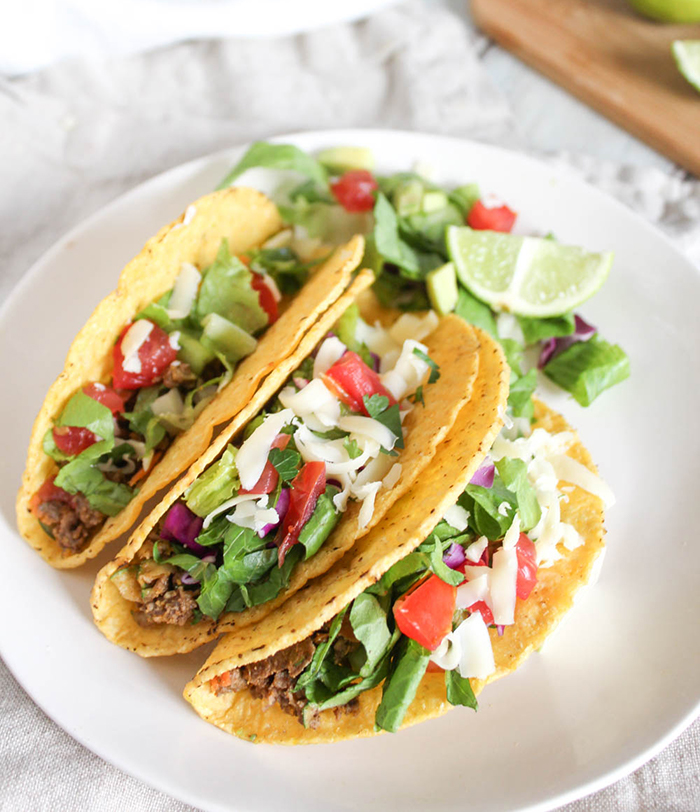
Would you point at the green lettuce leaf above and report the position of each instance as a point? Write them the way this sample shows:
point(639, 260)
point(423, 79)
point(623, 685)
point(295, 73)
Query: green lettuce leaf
point(368, 618)
point(535, 330)
point(84, 412)
point(588, 368)
point(215, 485)
point(513, 472)
point(410, 661)
point(227, 290)
point(475, 312)
point(81, 476)
point(278, 156)
point(459, 690)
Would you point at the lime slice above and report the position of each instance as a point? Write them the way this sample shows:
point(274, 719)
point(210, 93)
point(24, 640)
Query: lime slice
point(687, 55)
point(529, 276)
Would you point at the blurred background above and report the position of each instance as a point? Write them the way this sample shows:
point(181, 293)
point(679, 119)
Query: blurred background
point(97, 97)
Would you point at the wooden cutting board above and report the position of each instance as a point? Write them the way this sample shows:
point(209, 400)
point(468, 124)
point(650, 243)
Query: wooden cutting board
point(612, 59)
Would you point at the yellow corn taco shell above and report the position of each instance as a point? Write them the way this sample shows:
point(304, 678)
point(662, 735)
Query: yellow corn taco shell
point(246, 218)
point(453, 346)
point(242, 715)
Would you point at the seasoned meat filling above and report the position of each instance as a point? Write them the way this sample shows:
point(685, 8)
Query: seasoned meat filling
point(71, 525)
point(272, 679)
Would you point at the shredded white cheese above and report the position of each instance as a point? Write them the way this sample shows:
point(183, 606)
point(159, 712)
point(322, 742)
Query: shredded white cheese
point(456, 516)
point(254, 452)
point(184, 292)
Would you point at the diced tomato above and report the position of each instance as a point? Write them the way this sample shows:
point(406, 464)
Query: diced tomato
point(49, 492)
point(267, 482)
point(526, 553)
point(306, 487)
point(425, 613)
point(281, 441)
point(354, 190)
point(350, 379)
point(106, 396)
point(434, 668)
point(499, 218)
point(483, 607)
point(156, 354)
point(72, 440)
point(266, 298)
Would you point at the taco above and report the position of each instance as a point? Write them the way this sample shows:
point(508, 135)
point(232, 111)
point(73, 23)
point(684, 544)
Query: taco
point(153, 373)
point(398, 633)
point(334, 436)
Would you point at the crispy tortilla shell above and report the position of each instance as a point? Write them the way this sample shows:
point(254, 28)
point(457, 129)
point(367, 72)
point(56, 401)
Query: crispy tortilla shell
point(455, 348)
point(242, 715)
point(246, 218)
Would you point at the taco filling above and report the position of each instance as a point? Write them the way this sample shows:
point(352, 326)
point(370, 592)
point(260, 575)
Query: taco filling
point(432, 610)
point(330, 440)
point(169, 363)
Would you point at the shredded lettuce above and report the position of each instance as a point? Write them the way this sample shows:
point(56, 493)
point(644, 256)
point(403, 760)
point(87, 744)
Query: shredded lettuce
point(278, 156)
point(215, 485)
point(588, 368)
point(84, 412)
point(227, 290)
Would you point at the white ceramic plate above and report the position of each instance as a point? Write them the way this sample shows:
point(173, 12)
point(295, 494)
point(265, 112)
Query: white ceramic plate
point(617, 681)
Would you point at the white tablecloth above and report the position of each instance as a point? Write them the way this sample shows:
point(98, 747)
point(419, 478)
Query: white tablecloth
point(76, 135)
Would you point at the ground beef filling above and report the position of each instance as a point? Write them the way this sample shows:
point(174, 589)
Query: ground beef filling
point(272, 680)
point(179, 374)
point(71, 524)
point(158, 591)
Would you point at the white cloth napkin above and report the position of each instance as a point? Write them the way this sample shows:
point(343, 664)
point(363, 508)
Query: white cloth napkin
point(78, 134)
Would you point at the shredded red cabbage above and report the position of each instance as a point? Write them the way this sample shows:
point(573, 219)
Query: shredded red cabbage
point(484, 475)
point(500, 629)
point(281, 507)
point(190, 580)
point(300, 383)
point(375, 361)
point(555, 346)
point(183, 526)
point(454, 556)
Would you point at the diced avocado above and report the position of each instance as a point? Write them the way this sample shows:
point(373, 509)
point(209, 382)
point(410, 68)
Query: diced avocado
point(194, 353)
point(408, 197)
point(433, 201)
point(346, 327)
point(226, 337)
point(442, 288)
point(343, 159)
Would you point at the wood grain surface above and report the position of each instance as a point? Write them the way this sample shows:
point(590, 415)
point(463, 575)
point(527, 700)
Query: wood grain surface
point(612, 59)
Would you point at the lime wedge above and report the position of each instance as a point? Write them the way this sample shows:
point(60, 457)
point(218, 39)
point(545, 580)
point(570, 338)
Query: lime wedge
point(669, 11)
point(687, 56)
point(529, 276)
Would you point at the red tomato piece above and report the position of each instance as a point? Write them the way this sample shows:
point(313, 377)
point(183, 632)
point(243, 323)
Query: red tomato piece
point(526, 553)
point(483, 607)
point(156, 354)
point(499, 218)
point(350, 379)
point(354, 190)
point(72, 440)
point(267, 482)
point(305, 489)
point(49, 492)
point(281, 441)
point(425, 613)
point(266, 298)
point(106, 396)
